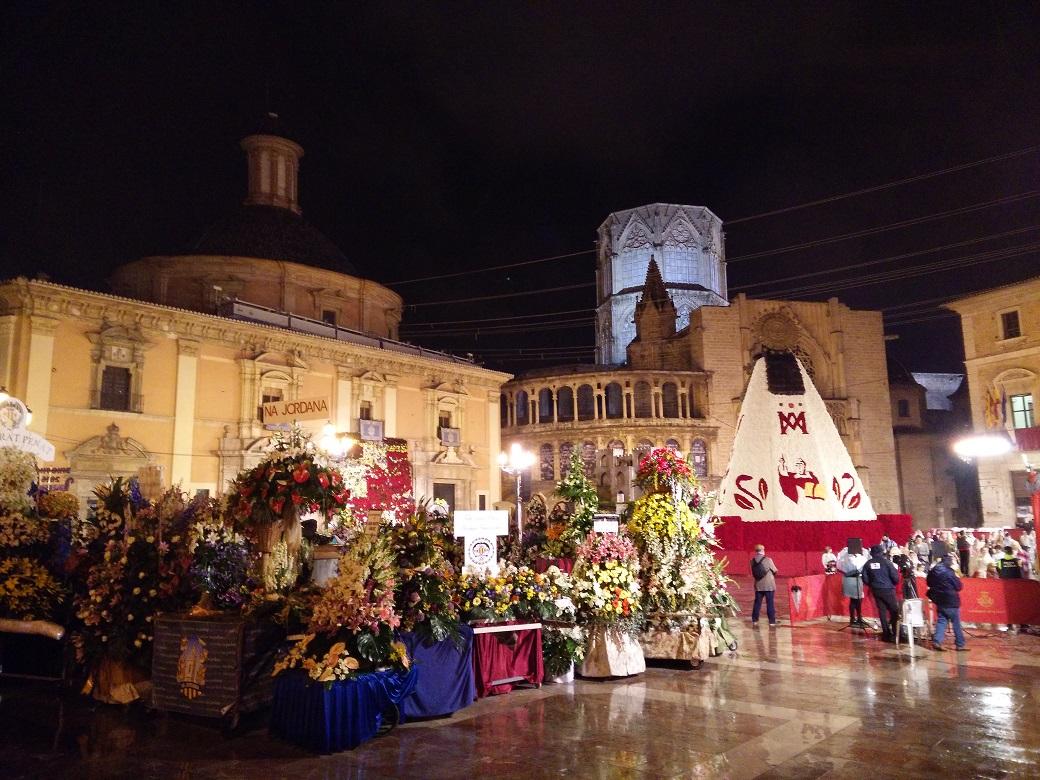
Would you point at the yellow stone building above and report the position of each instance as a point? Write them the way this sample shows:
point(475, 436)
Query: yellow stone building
point(173, 369)
point(1001, 332)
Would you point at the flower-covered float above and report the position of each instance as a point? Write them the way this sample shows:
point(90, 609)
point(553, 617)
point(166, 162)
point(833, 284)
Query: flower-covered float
point(684, 588)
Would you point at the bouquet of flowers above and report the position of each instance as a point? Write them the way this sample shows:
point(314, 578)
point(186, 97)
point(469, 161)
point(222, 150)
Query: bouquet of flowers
point(562, 648)
point(606, 584)
point(660, 468)
point(484, 597)
point(294, 477)
point(515, 593)
point(27, 590)
point(58, 504)
point(17, 473)
point(580, 494)
point(352, 623)
point(423, 595)
point(21, 531)
point(127, 575)
point(219, 564)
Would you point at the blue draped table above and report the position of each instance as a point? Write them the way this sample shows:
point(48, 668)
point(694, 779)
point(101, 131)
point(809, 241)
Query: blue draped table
point(446, 682)
point(327, 718)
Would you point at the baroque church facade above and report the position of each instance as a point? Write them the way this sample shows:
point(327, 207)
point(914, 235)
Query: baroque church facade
point(685, 368)
point(173, 368)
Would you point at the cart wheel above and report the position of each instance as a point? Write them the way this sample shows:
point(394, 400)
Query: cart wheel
point(732, 646)
point(391, 716)
point(696, 663)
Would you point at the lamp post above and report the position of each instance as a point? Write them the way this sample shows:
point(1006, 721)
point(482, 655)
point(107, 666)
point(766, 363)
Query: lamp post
point(514, 464)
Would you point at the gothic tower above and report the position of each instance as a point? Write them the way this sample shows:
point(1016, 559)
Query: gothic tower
point(690, 246)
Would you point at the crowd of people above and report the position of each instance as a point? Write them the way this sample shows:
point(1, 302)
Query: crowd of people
point(890, 570)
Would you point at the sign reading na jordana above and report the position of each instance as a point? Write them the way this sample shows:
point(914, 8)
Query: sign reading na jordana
point(300, 409)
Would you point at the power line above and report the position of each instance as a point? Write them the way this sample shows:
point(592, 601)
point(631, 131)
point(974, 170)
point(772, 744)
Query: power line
point(885, 228)
point(503, 295)
point(890, 258)
point(887, 185)
point(493, 268)
point(500, 319)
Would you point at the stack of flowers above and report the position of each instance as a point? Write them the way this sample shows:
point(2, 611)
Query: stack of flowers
point(673, 530)
point(135, 567)
point(516, 593)
point(606, 582)
point(423, 595)
point(580, 495)
point(219, 564)
point(28, 588)
point(352, 624)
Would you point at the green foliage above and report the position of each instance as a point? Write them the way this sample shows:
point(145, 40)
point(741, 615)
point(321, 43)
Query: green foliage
point(578, 490)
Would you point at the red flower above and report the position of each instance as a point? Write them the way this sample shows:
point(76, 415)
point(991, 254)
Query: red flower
point(297, 499)
point(277, 505)
point(245, 490)
point(301, 473)
point(336, 478)
point(323, 480)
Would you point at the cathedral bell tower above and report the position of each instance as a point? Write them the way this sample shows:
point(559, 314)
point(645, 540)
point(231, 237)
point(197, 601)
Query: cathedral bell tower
point(274, 164)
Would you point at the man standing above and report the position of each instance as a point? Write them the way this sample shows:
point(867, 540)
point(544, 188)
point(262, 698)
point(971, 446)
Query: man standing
point(944, 591)
point(763, 570)
point(887, 544)
point(882, 577)
point(1008, 567)
point(963, 552)
point(850, 565)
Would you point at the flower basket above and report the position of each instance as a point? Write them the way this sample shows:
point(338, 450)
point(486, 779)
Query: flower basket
point(674, 637)
point(116, 681)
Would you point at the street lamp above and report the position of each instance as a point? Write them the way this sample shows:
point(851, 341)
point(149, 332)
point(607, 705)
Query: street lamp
point(982, 445)
point(514, 464)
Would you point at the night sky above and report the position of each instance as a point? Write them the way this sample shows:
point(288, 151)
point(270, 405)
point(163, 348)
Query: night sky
point(443, 137)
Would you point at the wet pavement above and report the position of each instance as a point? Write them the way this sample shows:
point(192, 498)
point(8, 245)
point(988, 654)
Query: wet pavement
point(807, 702)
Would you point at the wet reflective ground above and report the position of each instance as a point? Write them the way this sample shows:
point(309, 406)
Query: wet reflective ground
point(801, 703)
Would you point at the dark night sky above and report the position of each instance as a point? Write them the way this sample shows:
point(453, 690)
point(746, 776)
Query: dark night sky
point(449, 136)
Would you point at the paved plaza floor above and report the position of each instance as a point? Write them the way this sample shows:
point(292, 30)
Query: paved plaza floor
point(805, 702)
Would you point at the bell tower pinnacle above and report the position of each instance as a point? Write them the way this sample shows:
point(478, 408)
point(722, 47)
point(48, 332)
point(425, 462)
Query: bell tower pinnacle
point(274, 163)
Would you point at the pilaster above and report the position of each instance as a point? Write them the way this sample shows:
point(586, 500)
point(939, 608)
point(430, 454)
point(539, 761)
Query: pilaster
point(40, 369)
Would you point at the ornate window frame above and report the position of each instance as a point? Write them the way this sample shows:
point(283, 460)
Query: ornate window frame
point(120, 347)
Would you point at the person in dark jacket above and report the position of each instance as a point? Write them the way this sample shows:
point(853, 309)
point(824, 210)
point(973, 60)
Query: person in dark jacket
point(1009, 567)
point(963, 551)
point(944, 591)
point(763, 570)
point(882, 577)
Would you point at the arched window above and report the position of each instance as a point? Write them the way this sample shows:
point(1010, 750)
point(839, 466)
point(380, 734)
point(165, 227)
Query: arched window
point(615, 399)
point(644, 400)
point(545, 405)
point(566, 449)
point(699, 456)
point(547, 458)
point(565, 404)
point(670, 399)
point(616, 448)
point(672, 444)
point(586, 403)
point(523, 408)
point(642, 450)
point(588, 458)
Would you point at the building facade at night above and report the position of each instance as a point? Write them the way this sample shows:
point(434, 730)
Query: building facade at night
point(174, 368)
point(1001, 332)
point(682, 388)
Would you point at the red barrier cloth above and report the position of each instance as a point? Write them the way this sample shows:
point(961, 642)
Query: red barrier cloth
point(810, 536)
point(506, 654)
point(566, 565)
point(1028, 438)
point(807, 597)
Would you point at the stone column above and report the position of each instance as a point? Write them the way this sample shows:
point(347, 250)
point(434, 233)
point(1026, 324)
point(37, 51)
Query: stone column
point(555, 405)
point(494, 447)
point(184, 411)
point(40, 370)
point(249, 398)
point(390, 405)
point(343, 416)
point(7, 324)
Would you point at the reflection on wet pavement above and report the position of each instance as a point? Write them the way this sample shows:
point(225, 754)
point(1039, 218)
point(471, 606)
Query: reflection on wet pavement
point(807, 702)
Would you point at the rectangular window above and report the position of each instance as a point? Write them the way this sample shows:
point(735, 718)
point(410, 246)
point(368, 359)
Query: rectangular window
point(1022, 411)
point(268, 395)
point(444, 419)
point(328, 316)
point(904, 407)
point(115, 389)
point(1009, 325)
point(365, 412)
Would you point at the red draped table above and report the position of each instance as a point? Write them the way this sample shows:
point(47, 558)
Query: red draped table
point(505, 654)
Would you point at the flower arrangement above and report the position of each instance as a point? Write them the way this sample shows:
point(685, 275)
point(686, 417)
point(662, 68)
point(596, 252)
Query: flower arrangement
point(606, 584)
point(515, 593)
point(423, 595)
point(27, 590)
point(293, 480)
point(58, 504)
point(127, 574)
point(662, 467)
point(351, 626)
point(580, 493)
point(562, 648)
point(19, 530)
point(17, 473)
point(219, 564)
